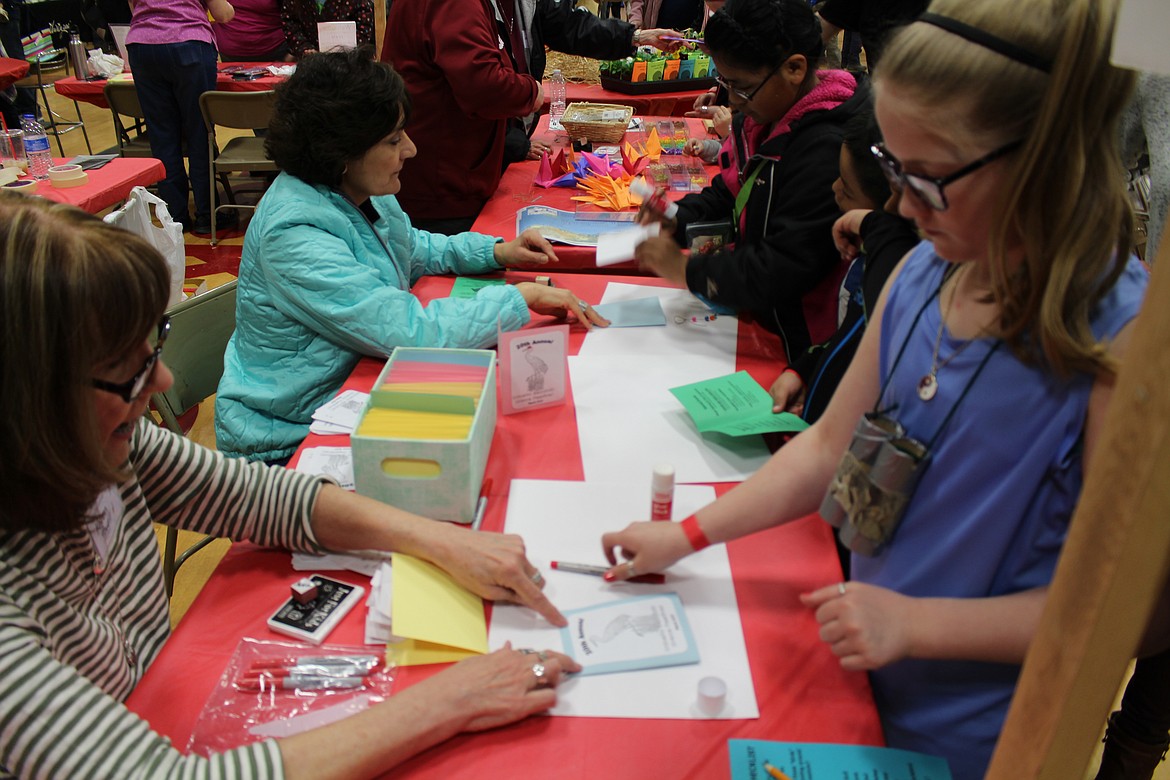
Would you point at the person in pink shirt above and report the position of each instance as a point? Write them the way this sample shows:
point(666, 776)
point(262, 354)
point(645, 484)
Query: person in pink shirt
point(172, 53)
point(254, 35)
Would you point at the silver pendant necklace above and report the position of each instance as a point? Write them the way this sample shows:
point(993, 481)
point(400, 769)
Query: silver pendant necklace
point(928, 384)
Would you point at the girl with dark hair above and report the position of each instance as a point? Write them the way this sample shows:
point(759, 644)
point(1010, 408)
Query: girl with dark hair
point(329, 259)
point(775, 189)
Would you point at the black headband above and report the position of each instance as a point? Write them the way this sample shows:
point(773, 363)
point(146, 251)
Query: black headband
point(988, 41)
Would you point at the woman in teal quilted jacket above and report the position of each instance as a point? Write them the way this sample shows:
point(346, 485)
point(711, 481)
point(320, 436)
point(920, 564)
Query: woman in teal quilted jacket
point(330, 257)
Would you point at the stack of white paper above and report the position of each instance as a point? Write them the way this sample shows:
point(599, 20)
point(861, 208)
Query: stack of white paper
point(340, 413)
point(336, 463)
point(378, 608)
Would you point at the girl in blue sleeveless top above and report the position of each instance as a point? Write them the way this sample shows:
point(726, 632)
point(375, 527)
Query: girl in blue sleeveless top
point(995, 346)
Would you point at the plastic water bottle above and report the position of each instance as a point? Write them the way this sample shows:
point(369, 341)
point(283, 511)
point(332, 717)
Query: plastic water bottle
point(36, 147)
point(556, 99)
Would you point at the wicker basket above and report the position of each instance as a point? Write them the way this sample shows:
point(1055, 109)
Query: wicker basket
point(599, 122)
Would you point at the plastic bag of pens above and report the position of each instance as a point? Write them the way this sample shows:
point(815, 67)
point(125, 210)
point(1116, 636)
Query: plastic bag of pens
point(275, 689)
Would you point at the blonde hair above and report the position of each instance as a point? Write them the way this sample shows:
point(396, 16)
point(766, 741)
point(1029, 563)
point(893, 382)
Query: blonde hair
point(75, 293)
point(1064, 202)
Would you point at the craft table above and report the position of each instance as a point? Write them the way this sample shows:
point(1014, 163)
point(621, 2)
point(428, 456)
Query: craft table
point(674, 103)
point(92, 91)
point(516, 190)
point(107, 185)
point(11, 71)
point(803, 693)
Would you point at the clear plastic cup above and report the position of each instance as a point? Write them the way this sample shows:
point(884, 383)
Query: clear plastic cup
point(12, 149)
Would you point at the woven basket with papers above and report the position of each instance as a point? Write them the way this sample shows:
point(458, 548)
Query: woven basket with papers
point(599, 122)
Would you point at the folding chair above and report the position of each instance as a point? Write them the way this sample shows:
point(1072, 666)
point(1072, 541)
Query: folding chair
point(200, 329)
point(123, 100)
point(39, 78)
point(241, 111)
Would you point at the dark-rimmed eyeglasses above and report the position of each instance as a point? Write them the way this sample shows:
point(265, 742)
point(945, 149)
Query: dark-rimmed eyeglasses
point(928, 188)
point(133, 387)
point(747, 96)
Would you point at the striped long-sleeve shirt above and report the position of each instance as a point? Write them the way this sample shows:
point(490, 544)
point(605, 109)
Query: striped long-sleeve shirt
point(78, 629)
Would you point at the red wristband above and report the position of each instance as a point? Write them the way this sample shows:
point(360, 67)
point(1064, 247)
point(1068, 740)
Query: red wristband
point(695, 534)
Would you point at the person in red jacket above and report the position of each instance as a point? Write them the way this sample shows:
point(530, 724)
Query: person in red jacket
point(463, 89)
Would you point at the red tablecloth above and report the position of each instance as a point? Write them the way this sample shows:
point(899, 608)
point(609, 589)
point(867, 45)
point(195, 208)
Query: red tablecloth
point(656, 104)
point(107, 185)
point(11, 71)
point(516, 190)
point(91, 91)
point(802, 692)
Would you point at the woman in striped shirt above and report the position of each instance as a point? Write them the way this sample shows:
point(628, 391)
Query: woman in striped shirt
point(83, 612)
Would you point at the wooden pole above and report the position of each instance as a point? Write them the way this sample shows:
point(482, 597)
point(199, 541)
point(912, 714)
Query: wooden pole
point(1112, 569)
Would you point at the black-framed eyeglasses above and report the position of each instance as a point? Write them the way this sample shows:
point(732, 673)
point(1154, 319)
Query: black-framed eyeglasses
point(132, 388)
point(747, 96)
point(929, 189)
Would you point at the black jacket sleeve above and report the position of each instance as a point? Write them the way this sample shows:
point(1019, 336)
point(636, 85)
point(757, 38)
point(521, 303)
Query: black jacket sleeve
point(576, 31)
point(886, 238)
point(789, 247)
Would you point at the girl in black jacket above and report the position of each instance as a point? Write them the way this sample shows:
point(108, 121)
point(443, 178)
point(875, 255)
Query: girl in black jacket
point(775, 189)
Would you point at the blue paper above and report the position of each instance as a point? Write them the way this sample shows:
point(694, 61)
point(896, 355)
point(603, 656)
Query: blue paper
point(642, 632)
point(637, 313)
point(830, 761)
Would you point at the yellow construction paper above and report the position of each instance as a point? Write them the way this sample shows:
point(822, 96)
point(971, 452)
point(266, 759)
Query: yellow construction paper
point(439, 619)
point(409, 424)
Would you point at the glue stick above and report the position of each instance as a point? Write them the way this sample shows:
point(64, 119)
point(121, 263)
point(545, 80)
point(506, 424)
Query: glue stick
point(654, 200)
point(662, 492)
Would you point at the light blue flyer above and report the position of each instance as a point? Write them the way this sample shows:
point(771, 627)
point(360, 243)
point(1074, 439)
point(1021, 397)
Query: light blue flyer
point(637, 313)
point(757, 759)
point(642, 632)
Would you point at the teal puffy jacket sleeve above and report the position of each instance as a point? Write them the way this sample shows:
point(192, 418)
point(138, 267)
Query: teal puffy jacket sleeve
point(320, 286)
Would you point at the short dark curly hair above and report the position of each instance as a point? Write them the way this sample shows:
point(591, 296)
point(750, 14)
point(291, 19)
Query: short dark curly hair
point(334, 108)
point(756, 34)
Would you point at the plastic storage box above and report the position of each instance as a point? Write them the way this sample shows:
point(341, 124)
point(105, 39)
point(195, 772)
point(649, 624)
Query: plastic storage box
point(435, 477)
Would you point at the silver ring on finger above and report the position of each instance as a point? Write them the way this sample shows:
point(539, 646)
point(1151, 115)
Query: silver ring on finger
point(631, 572)
point(583, 304)
point(537, 578)
point(840, 588)
point(542, 655)
point(539, 671)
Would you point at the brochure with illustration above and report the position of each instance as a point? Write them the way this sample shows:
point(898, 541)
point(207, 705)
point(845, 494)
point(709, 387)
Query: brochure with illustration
point(752, 759)
point(735, 405)
point(643, 632)
point(565, 227)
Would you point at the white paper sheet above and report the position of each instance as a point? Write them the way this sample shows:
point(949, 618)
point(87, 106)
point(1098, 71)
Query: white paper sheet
point(618, 247)
point(677, 341)
point(628, 421)
point(582, 512)
point(336, 35)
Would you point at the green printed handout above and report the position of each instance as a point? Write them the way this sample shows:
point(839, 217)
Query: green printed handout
point(735, 405)
point(468, 286)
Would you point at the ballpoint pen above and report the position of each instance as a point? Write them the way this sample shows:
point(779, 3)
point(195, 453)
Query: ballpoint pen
point(599, 571)
point(481, 504)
